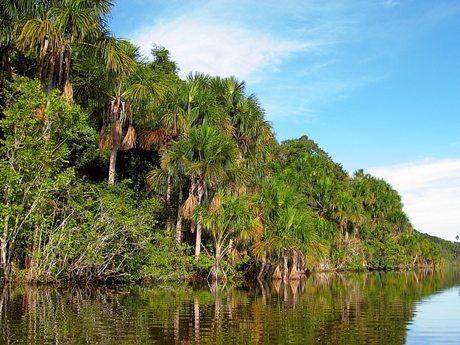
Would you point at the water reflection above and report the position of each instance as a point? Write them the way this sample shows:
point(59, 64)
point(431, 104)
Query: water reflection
point(436, 320)
point(326, 308)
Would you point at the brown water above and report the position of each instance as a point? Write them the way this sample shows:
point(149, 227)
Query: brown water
point(350, 308)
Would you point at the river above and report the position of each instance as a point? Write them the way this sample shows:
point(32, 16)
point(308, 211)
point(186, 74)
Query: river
point(421, 307)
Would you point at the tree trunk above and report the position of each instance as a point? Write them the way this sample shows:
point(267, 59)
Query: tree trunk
point(28, 261)
point(262, 269)
point(50, 82)
point(197, 187)
point(113, 161)
point(168, 205)
point(178, 234)
point(3, 264)
point(198, 241)
point(216, 266)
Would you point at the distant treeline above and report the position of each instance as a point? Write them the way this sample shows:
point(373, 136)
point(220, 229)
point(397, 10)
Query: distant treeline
point(114, 168)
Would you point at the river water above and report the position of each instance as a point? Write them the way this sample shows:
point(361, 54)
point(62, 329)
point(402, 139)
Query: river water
point(420, 307)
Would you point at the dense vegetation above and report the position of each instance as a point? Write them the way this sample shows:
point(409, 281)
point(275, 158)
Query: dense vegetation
point(112, 167)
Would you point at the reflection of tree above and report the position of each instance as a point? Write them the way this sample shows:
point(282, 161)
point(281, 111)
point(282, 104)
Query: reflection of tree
point(326, 308)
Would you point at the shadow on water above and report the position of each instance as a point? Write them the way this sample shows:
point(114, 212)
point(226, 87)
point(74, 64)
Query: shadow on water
point(325, 308)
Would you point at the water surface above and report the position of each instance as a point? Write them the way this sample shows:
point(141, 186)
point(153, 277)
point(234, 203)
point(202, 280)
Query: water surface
point(328, 308)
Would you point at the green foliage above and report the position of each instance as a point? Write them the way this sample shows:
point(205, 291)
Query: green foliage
point(168, 260)
point(202, 266)
point(34, 162)
point(164, 70)
point(384, 253)
point(99, 233)
point(450, 251)
point(360, 216)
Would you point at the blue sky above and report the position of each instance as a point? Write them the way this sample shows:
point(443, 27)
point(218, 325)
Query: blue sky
point(375, 83)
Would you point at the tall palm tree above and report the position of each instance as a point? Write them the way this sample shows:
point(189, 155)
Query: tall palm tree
point(208, 157)
point(184, 102)
point(129, 99)
point(62, 26)
point(161, 181)
point(346, 211)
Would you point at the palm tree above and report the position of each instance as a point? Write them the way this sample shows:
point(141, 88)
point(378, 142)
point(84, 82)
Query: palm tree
point(227, 218)
point(289, 228)
point(160, 181)
point(412, 244)
point(246, 116)
point(184, 102)
point(65, 25)
point(243, 120)
point(208, 158)
point(346, 211)
point(129, 98)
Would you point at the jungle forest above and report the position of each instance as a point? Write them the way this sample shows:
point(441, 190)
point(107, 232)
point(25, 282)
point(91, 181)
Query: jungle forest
point(113, 168)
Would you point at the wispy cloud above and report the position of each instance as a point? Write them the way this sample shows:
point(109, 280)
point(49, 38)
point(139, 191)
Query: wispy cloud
point(430, 190)
point(295, 47)
point(218, 49)
point(390, 4)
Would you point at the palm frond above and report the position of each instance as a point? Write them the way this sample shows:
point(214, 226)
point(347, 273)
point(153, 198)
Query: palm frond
point(40, 36)
point(159, 136)
point(189, 206)
point(129, 140)
point(243, 142)
point(277, 274)
point(157, 180)
point(143, 93)
point(117, 61)
point(105, 140)
point(215, 204)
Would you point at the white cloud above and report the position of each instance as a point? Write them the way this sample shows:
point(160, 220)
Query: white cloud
point(217, 49)
point(390, 4)
point(430, 191)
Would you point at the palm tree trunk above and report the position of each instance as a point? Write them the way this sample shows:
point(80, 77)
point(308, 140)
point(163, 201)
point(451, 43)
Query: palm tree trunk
point(178, 235)
point(50, 85)
point(168, 205)
point(262, 269)
point(216, 266)
point(198, 241)
point(198, 188)
point(113, 161)
point(3, 265)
